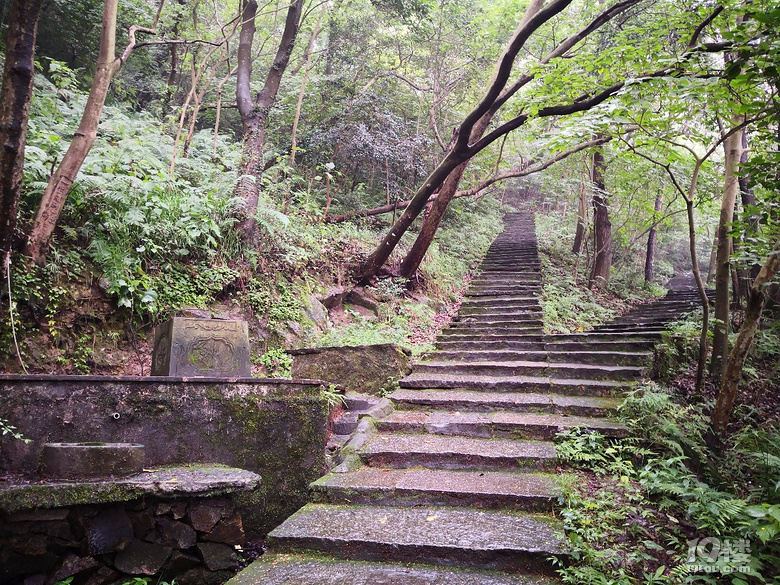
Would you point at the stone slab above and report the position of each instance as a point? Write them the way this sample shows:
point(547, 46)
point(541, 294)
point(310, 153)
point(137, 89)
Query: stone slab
point(194, 480)
point(453, 452)
point(514, 401)
point(484, 489)
point(300, 569)
point(450, 536)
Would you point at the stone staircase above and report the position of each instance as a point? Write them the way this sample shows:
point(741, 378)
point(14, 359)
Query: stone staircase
point(453, 481)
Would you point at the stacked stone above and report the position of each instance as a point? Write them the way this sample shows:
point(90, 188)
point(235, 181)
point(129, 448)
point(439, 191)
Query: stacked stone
point(193, 540)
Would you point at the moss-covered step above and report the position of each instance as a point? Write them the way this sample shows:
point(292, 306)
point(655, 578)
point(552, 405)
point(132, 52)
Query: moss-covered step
point(398, 450)
point(573, 387)
point(489, 335)
point(479, 401)
point(499, 343)
point(465, 537)
point(613, 357)
point(436, 487)
point(499, 322)
point(531, 368)
point(495, 424)
point(487, 355)
point(313, 569)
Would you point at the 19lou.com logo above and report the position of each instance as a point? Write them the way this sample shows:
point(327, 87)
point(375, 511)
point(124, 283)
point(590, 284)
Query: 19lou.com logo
point(712, 555)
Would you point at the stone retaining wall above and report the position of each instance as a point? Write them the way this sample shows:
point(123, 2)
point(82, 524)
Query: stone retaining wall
point(193, 540)
point(276, 428)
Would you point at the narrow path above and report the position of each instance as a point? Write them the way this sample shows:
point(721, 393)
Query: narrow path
point(457, 484)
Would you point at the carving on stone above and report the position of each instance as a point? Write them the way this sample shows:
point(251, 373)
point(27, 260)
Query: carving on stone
point(201, 347)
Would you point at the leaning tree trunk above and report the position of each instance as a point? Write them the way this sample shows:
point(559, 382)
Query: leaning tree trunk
point(254, 113)
point(602, 227)
point(651, 236)
point(720, 340)
point(60, 183)
point(431, 222)
point(14, 114)
point(733, 371)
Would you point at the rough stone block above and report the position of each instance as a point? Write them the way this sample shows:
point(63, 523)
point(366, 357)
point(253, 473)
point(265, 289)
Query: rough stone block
point(357, 368)
point(229, 530)
point(201, 347)
point(201, 576)
point(204, 515)
point(73, 565)
point(218, 557)
point(142, 558)
point(103, 576)
point(175, 534)
point(109, 531)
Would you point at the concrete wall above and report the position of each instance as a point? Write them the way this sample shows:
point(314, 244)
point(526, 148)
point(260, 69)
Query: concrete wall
point(276, 428)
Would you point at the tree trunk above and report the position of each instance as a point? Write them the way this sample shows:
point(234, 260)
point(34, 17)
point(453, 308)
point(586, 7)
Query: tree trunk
point(736, 360)
point(254, 113)
point(60, 183)
point(602, 227)
point(705, 303)
point(651, 236)
point(713, 260)
point(732, 145)
point(435, 214)
point(14, 113)
point(582, 220)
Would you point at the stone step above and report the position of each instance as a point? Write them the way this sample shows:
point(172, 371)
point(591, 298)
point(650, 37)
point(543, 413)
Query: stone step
point(509, 287)
point(318, 569)
point(616, 357)
point(638, 345)
point(528, 368)
point(505, 279)
point(495, 425)
point(581, 356)
point(498, 344)
point(499, 300)
point(435, 487)
point(498, 308)
point(593, 336)
point(536, 384)
point(495, 292)
point(507, 314)
point(485, 323)
point(478, 401)
point(473, 334)
point(478, 355)
point(640, 328)
point(514, 541)
point(397, 450)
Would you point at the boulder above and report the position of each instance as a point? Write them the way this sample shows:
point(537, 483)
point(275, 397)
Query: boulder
point(367, 369)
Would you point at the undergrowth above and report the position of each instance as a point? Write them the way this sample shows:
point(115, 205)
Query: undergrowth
point(137, 244)
point(661, 507)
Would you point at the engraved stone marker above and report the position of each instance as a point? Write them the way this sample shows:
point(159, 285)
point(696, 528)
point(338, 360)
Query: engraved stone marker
point(201, 347)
